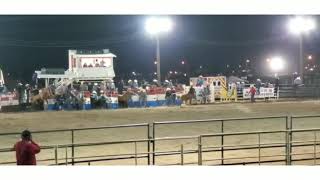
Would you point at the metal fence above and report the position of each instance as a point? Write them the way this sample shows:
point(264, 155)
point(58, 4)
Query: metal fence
point(291, 91)
point(286, 150)
point(72, 136)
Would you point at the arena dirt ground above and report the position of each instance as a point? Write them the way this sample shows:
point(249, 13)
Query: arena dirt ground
point(16, 122)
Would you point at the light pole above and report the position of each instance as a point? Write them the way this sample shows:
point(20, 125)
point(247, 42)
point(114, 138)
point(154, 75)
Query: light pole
point(299, 26)
point(158, 59)
point(155, 26)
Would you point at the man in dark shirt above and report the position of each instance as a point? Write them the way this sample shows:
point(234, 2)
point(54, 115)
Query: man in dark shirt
point(191, 94)
point(26, 149)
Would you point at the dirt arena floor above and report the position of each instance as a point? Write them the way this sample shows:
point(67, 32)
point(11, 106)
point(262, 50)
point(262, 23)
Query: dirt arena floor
point(16, 122)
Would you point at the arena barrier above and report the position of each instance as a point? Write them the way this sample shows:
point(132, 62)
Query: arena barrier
point(112, 103)
point(285, 149)
point(154, 100)
point(8, 100)
point(261, 93)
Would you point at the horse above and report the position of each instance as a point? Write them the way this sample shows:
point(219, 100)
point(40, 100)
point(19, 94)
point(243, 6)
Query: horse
point(187, 97)
point(43, 96)
point(124, 99)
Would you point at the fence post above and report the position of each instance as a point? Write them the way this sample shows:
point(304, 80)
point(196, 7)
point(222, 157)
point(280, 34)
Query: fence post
point(153, 144)
point(149, 137)
point(199, 151)
point(259, 142)
point(181, 152)
point(135, 153)
point(222, 142)
point(289, 140)
point(66, 155)
point(72, 147)
point(315, 148)
point(56, 155)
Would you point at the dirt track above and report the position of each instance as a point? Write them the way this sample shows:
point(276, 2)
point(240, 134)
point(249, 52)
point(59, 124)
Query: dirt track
point(16, 122)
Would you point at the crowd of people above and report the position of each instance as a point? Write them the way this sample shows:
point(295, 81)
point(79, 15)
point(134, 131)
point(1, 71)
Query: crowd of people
point(96, 64)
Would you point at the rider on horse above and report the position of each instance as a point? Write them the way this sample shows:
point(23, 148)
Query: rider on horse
point(191, 94)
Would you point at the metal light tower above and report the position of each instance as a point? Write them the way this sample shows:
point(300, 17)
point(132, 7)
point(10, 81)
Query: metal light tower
point(155, 26)
point(299, 26)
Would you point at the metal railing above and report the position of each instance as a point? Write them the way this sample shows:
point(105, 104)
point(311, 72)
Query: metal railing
point(221, 121)
point(287, 157)
point(72, 133)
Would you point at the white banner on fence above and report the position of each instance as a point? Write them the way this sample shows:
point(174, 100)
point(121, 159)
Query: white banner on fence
point(8, 100)
point(261, 93)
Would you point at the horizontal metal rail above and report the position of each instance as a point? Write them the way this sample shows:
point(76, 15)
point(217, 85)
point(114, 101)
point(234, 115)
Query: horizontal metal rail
point(306, 116)
point(105, 159)
point(218, 120)
point(166, 153)
point(81, 129)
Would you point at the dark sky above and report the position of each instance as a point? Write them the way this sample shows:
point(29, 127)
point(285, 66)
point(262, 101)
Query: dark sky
point(28, 43)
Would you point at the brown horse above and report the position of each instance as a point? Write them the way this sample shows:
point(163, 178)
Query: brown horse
point(43, 96)
point(187, 97)
point(124, 99)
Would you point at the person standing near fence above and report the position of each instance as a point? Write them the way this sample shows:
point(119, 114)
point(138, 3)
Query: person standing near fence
point(26, 149)
point(252, 93)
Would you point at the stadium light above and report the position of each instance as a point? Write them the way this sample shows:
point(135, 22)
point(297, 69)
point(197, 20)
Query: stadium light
point(299, 25)
point(276, 64)
point(155, 26)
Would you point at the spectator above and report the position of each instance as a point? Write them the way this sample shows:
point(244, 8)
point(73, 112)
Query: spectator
point(258, 85)
point(252, 93)
point(102, 63)
point(96, 64)
point(135, 84)
point(26, 149)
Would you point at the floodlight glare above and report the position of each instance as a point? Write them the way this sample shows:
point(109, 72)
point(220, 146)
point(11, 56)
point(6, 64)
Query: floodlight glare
point(300, 25)
point(155, 25)
point(276, 64)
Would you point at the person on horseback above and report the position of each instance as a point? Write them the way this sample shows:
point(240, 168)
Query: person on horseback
point(143, 97)
point(168, 96)
point(191, 94)
point(200, 81)
point(173, 96)
point(94, 99)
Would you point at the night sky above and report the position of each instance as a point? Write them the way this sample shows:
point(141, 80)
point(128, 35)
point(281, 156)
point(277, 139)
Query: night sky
point(28, 43)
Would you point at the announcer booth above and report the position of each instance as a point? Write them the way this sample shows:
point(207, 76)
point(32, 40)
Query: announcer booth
point(91, 65)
